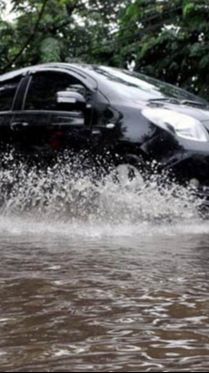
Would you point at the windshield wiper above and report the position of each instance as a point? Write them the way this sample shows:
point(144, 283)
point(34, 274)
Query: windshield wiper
point(194, 103)
point(173, 100)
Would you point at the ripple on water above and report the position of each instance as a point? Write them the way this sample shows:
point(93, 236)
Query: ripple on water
point(97, 276)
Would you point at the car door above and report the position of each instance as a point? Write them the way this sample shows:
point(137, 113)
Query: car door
point(46, 125)
point(9, 86)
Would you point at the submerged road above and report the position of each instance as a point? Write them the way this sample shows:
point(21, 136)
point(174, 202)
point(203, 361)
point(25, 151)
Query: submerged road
point(101, 278)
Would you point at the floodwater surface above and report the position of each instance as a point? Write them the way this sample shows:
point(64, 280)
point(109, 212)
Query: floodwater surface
point(101, 277)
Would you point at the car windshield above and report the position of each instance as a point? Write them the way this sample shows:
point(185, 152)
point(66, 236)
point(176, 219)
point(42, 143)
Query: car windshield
point(134, 87)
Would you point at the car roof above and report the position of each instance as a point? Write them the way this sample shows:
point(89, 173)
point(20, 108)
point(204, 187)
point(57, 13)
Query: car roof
point(61, 65)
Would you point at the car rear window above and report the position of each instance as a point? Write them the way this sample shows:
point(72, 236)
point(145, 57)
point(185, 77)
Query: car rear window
point(7, 92)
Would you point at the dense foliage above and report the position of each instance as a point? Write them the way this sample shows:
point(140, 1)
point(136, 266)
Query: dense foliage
point(168, 38)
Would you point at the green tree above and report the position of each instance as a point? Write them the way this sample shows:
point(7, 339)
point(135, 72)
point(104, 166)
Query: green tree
point(59, 30)
point(170, 40)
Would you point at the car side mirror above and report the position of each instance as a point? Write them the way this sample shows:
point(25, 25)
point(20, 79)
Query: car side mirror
point(70, 97)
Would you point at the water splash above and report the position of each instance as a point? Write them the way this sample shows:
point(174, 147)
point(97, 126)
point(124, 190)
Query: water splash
point(69, 193)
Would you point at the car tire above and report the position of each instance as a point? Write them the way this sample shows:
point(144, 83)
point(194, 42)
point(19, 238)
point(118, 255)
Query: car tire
point(131, 170)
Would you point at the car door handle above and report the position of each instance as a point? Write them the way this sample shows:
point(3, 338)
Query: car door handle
point(18, 125)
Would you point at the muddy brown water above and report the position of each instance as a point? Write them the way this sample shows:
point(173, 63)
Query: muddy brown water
point(101, 278)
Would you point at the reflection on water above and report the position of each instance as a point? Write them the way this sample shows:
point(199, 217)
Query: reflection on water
point(123, 287)
point(135, 303)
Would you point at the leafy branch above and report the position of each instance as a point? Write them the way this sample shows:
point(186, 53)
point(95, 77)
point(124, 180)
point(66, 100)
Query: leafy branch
point(30, 38)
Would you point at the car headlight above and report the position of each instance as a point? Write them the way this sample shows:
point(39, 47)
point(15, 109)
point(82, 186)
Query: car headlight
point(180, 124)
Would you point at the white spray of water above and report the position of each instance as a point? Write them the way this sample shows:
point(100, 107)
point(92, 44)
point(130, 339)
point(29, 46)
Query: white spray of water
point(58, 199)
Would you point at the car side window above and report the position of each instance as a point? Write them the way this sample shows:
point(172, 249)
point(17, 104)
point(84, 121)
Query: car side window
point(42, 92)
point(7, 92)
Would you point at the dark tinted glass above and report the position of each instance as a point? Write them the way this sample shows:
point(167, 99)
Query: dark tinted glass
point(7, 92)
point(42, 93)
point(134, 87)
